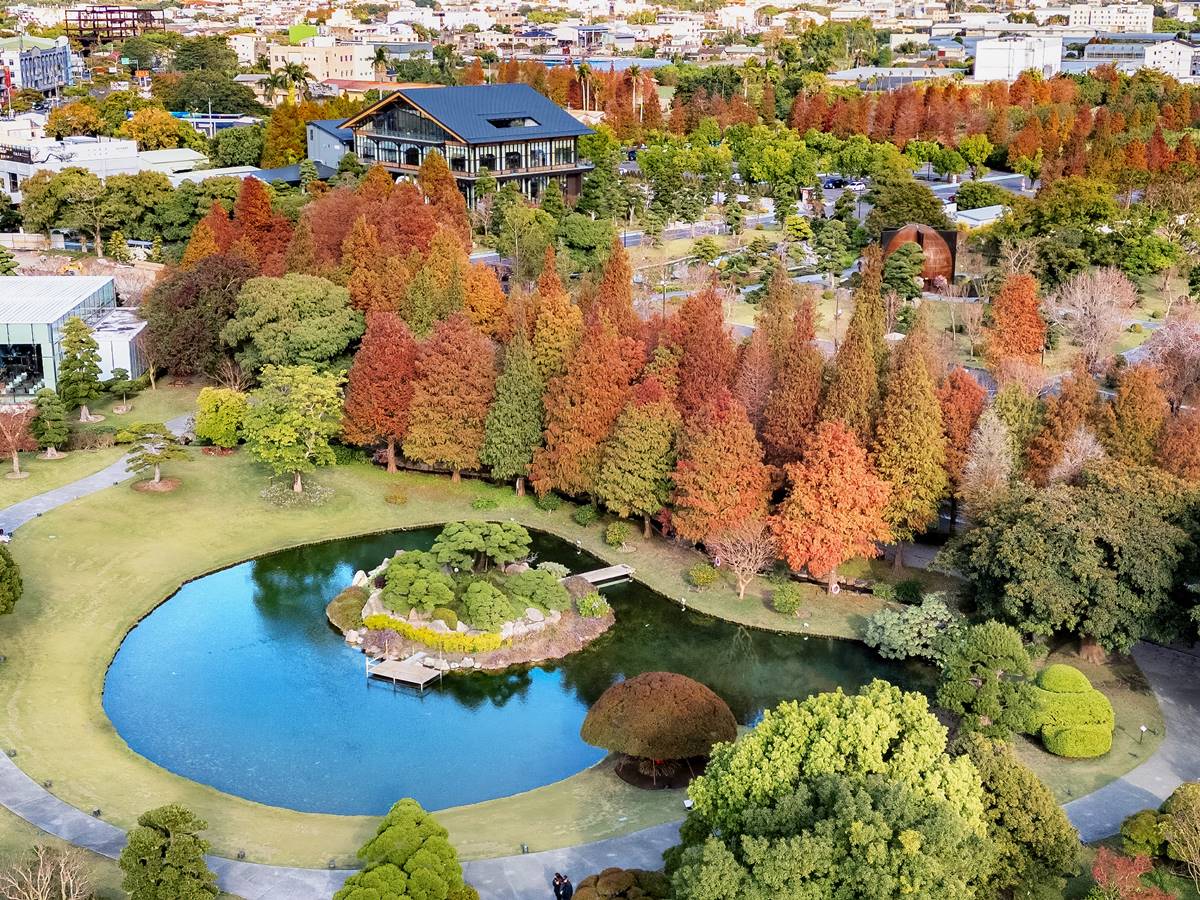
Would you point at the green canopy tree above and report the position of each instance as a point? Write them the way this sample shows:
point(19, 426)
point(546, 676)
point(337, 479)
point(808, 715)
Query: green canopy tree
point(635, 471)
point(10, 582)
point(292, 417)
point(295, 320)
point(1034, 845)
point(985, 680)
point(902, 270)
point(79, 370)
point(513, 428)
point(153, 445)
point(220, 416)
point(49, 426)
point(472, 546)
point(901, 200)
point(164, 857)
point(415, 580)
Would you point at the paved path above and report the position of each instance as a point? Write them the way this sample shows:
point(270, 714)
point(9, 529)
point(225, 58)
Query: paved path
point(1171, 673)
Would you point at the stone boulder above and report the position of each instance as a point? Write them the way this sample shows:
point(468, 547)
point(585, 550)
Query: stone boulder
point(374, 605)
point(534, 615)
point(360, 579)
point(516, 568)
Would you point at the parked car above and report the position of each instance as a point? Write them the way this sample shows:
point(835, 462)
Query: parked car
point(834, 182)
point(856, 185)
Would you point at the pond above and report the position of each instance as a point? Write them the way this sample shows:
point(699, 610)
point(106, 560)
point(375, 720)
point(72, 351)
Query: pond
point(238, 681)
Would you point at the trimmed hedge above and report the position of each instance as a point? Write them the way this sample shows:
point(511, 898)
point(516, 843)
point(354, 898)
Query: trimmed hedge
point(449, 643)
point(1081, 742)
point(787, 598)
point(1059, 678)
point(1051, 710)
point(345, 610)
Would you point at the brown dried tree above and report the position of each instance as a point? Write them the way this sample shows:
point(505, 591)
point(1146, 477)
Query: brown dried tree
point(745, 549)
point(51, 874)
point(1091, 309)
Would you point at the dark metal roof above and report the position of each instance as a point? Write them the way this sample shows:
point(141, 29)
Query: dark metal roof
point(291, 174)
point(334, 128)
point(467, 112)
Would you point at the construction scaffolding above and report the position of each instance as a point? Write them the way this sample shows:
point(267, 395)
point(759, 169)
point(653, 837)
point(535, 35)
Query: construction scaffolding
point(93, 26)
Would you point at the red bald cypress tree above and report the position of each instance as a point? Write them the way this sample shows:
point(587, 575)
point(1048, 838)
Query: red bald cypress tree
point(793, 410)
point(720, 479)
point(1072, 408)
point(223, 231)
point(380, 385)
point(614, 296)
point(962, 400)
point(447, 201)
point(405, 221)
point(582, 405)
point(256, 223)
point(1179, 452)
point(755, 377)
point(704, 348)
point(456, 378)
point(1019, 332)
point(558, 322)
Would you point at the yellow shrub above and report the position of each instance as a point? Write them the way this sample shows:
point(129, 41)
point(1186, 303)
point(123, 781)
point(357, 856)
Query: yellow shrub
point(447, 643)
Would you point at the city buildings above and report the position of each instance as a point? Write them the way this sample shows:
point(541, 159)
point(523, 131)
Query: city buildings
point(326, 59)
point(1005, 58)
point(34, 63)
point(1116, 17)
point(509, 130)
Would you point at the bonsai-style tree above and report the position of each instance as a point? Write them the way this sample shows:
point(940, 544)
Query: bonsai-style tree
point(292, 418)
point(985, 680)
point(472, 545)
point(487, 606)
point(79, 371)
point(415, 580)
point(659, 716)
point(49, 426)
point(153, 445)
point(410, 856)
point(220, 415)
point(165, 857)
point(10, 582)
point(16, 437)
point(121, 384)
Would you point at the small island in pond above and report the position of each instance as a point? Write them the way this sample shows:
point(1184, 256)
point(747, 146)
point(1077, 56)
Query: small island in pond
point(474, 600)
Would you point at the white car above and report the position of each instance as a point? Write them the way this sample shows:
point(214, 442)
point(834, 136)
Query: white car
point(857, 185)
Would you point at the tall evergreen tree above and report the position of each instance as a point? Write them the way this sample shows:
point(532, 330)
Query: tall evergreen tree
point(792, 411)
point(1022, 414)
point(635, 474)
point(870, 316)
point(456, 379)
point(558, 324)
point(614, 296)
point(49, 426)
point(910, 447)
point(582, 405)
point(79, 370)
point(853, 393)
point(720, 479)
point(380, 385)
point(552, 201)
point(704, 349)
point(513, 428)
point(776, 315)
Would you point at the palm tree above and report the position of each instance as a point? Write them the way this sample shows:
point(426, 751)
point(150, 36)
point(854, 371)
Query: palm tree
point(381, 61)
point(272, 85)
point(298, 78)
point(585, 82)
point(635, 73)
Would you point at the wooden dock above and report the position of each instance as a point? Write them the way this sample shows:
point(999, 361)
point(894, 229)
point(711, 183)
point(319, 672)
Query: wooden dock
point(606, 576)
point(410, 672)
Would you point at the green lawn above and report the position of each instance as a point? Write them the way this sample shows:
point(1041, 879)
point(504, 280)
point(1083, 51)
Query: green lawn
point(164, 402)
point(94, 568)
point(18, 837)
point(45, 475)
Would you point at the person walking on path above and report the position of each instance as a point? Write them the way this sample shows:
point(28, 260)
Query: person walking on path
point(567, 890)
point(558, 885)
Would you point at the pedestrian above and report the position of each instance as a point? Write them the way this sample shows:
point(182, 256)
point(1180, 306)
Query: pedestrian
point(568, 889)
point(558, 885)
point(5, 537)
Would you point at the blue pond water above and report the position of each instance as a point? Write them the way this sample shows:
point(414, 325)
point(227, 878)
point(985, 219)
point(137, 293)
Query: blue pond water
point(238, 682)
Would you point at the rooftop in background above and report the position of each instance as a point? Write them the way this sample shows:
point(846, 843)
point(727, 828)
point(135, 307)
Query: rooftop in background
point(333, 127)
point(41, 299)
point(291, 174)
point(471, 113)
point(26, 42)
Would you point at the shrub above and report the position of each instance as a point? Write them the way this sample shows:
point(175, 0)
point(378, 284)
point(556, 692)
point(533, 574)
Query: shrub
point(616, 534)
point(280, 494)
point(659, 715)
point(1059, 678)
point(1083, 742)
point(220, 413)
point(883, 590)
point(1136, 328)
point(10, 581)
point(165, 856)
point(624, 884)
point(447, 643)
point(415, 580)
point(984, 680)
point(345, 610)
point(909, 591)
point(344, 455)
point(548, 501)
point(537, 587)
point(396, 496)
point(90, 440)
point(485, 503)
point(449, 616)
point(558, 570)
point(593, 606)
point(703, 575)
point(787, 598)
point(929, 631)
point(1142, 834)
point(585, 515)
point(487, 606)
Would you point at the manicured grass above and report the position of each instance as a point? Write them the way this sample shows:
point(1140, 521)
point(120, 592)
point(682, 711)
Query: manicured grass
point(1134, 705)
point(45, 475)
point(159, 405)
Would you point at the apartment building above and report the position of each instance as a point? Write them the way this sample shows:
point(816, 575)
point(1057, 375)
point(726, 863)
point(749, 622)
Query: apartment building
point(1136, 18)
point(1005, 58)
point(325, 59)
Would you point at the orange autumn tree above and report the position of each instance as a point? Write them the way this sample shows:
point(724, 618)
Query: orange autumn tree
point(834, 507)
point(720, 479)
point(614, 296)
point(1073, 408)
point(256, 223)
point(1132, 424)
point(1019, 331)
point(380, 385)
point(201, 245)
point(704, 348)
point(962, 399)
point(456, 378)
point(484, 302)
point(362, 262)
point(558, 322)
point(582, 405)
point(1179, 452)
point(793, 407)
point(441, 191)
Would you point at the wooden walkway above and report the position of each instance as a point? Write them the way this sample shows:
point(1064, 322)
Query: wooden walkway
point(607, 575)
point(411, 671)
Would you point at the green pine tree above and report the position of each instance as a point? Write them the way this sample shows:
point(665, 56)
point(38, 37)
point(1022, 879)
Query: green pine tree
point(8, 262)
point(552, 201)
point(153, 445)
point(513, 428)
point(165, 857)
point(118, 248)
point(308, 174)
point(49, 425)
point(735, 216)
point(635, 473)
point(79, 369)
point(910, 447)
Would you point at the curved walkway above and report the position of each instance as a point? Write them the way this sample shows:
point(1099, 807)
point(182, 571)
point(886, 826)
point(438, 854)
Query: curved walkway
point(1172, 675)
